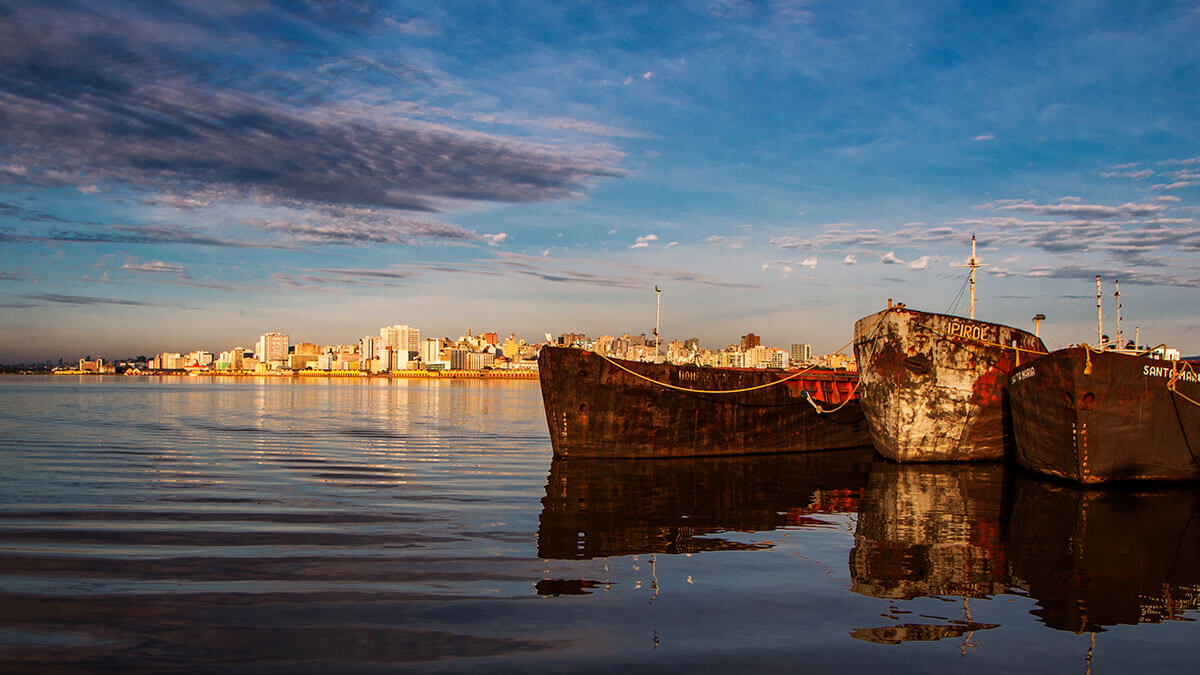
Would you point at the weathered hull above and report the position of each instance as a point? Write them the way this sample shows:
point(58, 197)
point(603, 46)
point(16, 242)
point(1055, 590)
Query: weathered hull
point(595, 408)
point(932, 386)
point(1093, 417)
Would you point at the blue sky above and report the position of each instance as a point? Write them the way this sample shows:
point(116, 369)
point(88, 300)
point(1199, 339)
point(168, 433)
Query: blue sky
point(178, 176)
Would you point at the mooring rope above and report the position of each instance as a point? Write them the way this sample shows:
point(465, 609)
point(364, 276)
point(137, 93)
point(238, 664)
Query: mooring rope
point(1175, 373)
point(793, 376)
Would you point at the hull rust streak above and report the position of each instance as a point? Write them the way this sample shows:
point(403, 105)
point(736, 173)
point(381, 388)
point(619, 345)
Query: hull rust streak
point(1092, 417)
point(933, 385)
point(596, 409)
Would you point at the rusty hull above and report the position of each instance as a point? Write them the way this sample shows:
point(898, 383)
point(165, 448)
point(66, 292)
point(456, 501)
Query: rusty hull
point(595, 409)
point(1115, 420)
point(933, 385)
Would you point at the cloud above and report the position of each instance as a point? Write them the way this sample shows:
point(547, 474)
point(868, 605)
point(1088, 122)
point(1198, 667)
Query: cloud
point(984, 137)
point(343, 277)
point(728, 242)
point(810, 263)
point(890, 258)
point(644, 241)
point(95, 98)
point(356, 226)
point(1136, 175)
point(155, 267)
point(1177, 185)
point(920, 263)
point(85, 300)
point(495, 239)
point(849, 259)
point(604, 273)
point(1075, 210)
point(1088, 274)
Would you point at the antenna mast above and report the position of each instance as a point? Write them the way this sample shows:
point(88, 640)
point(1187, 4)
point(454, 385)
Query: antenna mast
point(657, 307)
point(973, 263)
point(1117, 295)
point(1099, 316)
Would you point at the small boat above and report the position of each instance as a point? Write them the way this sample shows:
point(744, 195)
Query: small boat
point(597, 406)
point(932, 386)
point(1093, 416)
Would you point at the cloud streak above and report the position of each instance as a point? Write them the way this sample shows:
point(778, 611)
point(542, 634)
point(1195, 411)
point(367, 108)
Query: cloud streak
point(76, 110)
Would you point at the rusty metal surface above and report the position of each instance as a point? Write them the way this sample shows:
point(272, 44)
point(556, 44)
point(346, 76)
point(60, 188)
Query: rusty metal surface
point(1118, 422)
point(933, 385)
point(594, 409)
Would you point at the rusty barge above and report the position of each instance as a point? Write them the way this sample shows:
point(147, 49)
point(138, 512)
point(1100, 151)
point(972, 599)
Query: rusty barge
point(932, 386)
point(602, 407)
point(1093, 416)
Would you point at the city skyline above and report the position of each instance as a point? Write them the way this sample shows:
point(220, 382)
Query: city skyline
point(177, 175)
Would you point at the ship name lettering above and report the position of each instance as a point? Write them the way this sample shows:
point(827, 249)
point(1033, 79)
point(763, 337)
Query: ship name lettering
point(972, 331)
point(1022, 375)
point(1167, 371)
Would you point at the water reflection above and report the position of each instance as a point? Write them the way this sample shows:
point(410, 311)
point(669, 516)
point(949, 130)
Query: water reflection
point(612, 507)
point(1096, 558)
point(1089, 558)
point(929, 530)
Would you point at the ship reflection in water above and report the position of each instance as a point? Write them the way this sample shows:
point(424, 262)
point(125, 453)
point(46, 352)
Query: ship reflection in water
point(1096, 558)
point(963, 532)
point(611, 507)
point(929, 530)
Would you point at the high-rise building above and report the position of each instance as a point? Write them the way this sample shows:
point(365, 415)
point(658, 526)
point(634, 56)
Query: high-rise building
point(401, 337)
point(308, 348)
point(271, 347)
point(511, 349)
point(750, 341)
point(431, 350)
point(801, 353)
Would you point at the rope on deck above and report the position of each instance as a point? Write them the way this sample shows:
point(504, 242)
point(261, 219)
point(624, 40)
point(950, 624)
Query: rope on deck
point(1175, 373)
point(793, 376)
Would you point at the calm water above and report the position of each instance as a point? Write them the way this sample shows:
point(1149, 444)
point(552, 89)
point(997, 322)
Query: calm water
point(190, 524)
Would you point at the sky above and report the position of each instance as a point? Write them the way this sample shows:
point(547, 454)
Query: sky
point(177, 176)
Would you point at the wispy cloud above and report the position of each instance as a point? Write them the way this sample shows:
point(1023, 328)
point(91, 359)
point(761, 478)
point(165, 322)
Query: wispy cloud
point(84, 300)
point(727, 242)
point(1076, 210)
point(155, 267)
point(644, 241)
point(149, 118)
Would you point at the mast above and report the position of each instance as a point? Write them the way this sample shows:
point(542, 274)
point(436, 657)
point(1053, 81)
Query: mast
point(1117, 295)
point(657, 307)
point(1099, 316)
point(1037, 324)
point(973, 263)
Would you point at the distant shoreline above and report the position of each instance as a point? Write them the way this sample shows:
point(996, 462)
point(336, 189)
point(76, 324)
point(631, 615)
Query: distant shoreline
point(304, 374)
